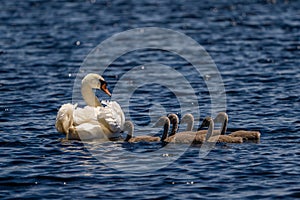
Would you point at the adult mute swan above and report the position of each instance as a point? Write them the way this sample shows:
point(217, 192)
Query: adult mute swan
point(129, 127)
point(99, 119)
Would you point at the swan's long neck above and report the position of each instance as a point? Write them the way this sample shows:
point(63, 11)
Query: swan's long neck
point(129, 128)
point(174, 127)
point(166, 130)
point(89, 96)
point(190, 124)
point(224, 126)
point(210, 129)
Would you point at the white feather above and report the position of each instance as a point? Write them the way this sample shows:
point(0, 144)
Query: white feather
point(103, 121)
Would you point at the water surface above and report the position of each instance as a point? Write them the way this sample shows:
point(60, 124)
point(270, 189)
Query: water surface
point(255, 45)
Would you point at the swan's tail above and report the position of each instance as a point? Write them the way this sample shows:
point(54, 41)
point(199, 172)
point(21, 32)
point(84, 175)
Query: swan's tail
point(64, 118)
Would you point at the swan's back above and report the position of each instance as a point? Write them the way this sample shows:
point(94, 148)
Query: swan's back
point(88, 114)
point(145, 138)
point(229, 139)
point(129, 127)
point(247, 135)
point(186, 138)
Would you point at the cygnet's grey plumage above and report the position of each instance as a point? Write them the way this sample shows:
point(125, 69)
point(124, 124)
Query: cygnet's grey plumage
point(129, 127)
point(246, 135)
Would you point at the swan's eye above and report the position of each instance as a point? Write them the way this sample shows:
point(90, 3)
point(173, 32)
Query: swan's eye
point(102, 82)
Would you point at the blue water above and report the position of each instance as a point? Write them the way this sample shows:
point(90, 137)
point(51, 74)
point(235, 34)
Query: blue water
point(256, 47)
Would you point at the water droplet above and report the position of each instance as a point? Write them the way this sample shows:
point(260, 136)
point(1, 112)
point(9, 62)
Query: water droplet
point(77, 43)
point(65, 183)
point(69, 75)
point(207, 77)
point(36, 183)
point(143, 67)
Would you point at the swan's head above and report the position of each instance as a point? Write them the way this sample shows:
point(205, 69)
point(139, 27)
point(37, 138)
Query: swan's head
point(206, 122)
point(129, 127)
point(221, 117)
point(162, 121)
point(173, 118)
point(95, 81)
point(187, 118)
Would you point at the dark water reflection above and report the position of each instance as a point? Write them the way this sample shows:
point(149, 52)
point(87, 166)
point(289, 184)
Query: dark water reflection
point(255, 45)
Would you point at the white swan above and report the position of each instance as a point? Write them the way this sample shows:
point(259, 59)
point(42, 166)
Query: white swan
point(99, 119)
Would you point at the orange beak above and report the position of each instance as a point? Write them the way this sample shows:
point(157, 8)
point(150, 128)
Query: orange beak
point(104, 89)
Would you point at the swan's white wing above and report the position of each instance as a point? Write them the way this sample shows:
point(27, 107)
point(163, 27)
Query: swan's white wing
point(112, 114)
point(64, 118)
point(87, 131)
point(87, 114)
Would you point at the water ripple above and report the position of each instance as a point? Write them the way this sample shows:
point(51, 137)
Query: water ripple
point(255, 45)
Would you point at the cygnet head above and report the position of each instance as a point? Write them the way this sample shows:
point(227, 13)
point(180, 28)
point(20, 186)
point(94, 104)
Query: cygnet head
point(129, 127)
point(165, 122)
point(95, 81)
point(206, 122)
point(162, 121)
point(222, 117)
point(187, 118)
point(174, 120)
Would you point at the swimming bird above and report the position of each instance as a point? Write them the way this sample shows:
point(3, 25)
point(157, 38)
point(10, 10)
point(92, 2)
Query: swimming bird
point(222, 117)
point(174, 120)
point(185, 137)
point(189, 120)
point(129, 127)
point(213, 136)
point(99, 119)
point(246, 135)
